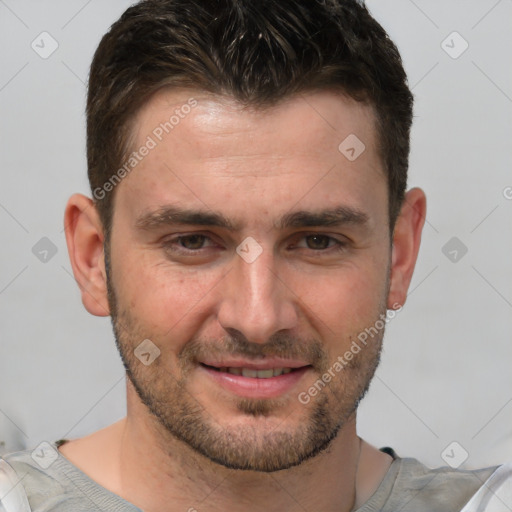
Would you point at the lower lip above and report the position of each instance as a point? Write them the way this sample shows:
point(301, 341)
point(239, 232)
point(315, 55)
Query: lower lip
point(252, 387)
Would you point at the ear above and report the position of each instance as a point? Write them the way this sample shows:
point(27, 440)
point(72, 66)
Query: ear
point(406, 244)
point(84, 237)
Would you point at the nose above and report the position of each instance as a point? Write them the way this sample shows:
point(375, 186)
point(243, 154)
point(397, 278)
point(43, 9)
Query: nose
point(256, 300)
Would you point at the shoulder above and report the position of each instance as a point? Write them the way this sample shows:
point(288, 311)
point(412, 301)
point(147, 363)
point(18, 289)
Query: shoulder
point(51, 482)
point(420, 488)
point(416, 475)
point(496, 494)
point(47, 480)
point(13, 497)
point(30, 469)
point(410, 486)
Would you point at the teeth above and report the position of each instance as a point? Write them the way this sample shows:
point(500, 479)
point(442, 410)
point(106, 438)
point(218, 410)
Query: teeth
point(259, 374)
point(247, 372)
point(264, 374)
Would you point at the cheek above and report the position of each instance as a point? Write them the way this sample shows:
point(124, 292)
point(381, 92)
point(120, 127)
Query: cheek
point(343, 302)
point(161, 298)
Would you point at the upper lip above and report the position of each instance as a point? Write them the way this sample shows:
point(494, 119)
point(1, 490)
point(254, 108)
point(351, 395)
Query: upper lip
point(263, 364)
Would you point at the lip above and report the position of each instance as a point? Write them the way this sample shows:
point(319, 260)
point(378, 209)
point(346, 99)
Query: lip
point(252, 387)
point(264, 364)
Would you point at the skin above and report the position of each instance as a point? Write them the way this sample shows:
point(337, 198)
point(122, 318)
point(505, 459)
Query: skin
point(184, 439)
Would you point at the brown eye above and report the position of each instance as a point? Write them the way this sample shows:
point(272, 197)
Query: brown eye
point(192, 242)
point(318, 242)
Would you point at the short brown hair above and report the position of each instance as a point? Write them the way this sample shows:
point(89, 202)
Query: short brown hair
point(256, 51)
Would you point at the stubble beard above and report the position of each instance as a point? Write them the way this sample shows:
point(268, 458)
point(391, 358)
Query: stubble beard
point(303, 433)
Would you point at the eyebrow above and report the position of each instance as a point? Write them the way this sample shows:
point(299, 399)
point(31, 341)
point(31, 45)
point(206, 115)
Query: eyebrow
point(327, 218)
point(173, 215)
point(169, 215)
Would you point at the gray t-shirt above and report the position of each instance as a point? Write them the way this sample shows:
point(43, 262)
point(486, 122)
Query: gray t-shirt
point(408, 486)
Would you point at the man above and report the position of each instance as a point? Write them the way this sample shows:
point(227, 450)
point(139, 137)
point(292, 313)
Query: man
point(249, 235)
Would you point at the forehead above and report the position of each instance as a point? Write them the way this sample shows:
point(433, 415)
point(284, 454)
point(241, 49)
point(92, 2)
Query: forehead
point(212, 150)
point(324, 116)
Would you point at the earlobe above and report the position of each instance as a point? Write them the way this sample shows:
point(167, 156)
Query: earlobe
point(84, 238)
point(406, 244)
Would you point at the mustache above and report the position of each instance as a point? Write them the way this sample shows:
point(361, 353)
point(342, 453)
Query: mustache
point(235, 343)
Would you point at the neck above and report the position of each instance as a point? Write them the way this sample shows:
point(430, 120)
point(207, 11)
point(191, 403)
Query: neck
point(136, 460)
point(155, 469)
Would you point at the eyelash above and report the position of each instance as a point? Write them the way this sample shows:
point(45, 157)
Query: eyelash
point(173, 244)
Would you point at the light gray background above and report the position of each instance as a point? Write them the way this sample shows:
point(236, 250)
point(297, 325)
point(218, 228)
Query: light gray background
point(446, 369)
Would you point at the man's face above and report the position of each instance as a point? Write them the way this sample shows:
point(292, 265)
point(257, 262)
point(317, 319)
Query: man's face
point(247, 239)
